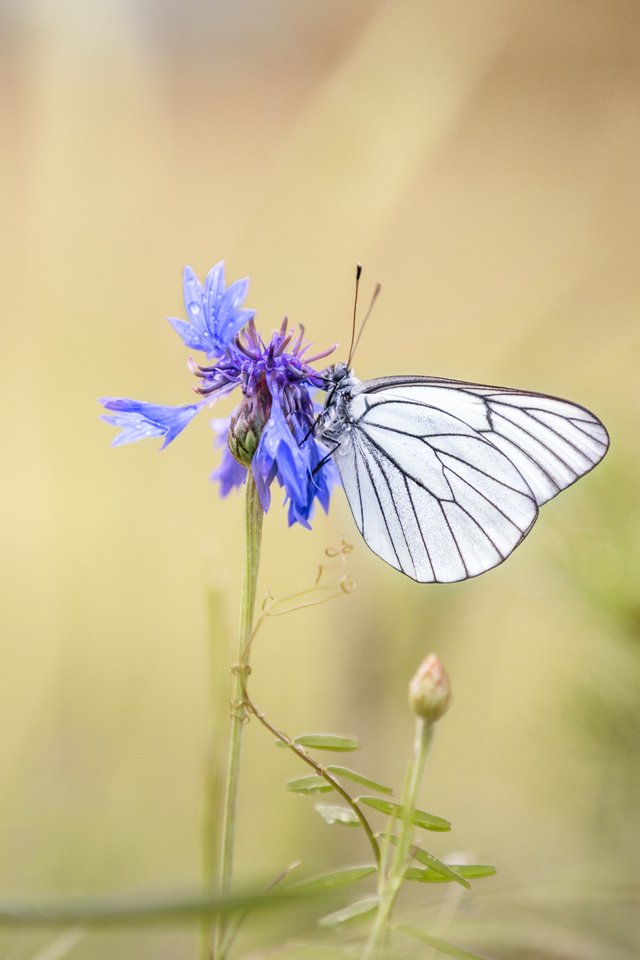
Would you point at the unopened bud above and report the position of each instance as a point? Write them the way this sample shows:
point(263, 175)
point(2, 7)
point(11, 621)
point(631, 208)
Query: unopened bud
point(247, 424)
point(430, 691)
point(244, 436)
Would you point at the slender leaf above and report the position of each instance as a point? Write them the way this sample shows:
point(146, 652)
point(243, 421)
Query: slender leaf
point(335, 813)
point(361, 908)
point(442, 946)
point(309, 785)
point(359, 778)
point(441, 868)
point(135, 909)
point(446, 872)
point(327, 741)
point(337, 878)
point(428, 821)
point(474, 871)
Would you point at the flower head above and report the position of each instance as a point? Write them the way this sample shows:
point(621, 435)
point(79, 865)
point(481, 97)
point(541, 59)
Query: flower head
point(271, 431)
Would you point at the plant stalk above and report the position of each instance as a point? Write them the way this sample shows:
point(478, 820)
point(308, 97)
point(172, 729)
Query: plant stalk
point(253, 538)
point(216, 750)
point(390, 881)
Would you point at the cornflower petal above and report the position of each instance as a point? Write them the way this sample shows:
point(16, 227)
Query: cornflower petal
point(214, 287)
point(278, 457)
point(189, 334)
point(230, 318)
point(320, 479)
point(230, 473)
point(138, 420)
point(215, 315)
point(193, 301)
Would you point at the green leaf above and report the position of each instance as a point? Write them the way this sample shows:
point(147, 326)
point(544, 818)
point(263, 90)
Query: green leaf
point(137, 909)
point(475, 871)
point(441, 868)
point(334, 813)
point(442, 946)
point(309, 785)
point(336, 878)
point(359, 778)
point(428, 821)
point(326, 741)
point(447, 873)
point(361, 908)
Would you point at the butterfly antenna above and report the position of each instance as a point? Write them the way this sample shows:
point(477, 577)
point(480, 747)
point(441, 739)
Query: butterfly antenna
point(376, 292)
point(355, 312)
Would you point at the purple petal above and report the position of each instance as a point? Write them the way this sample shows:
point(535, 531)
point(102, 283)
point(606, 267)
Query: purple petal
point(215, 315)
point(188, 333)
point(227, 318)
point(213, 292)
point(193, 302)
point(229, 474)
point(319, 479)
point(234, 325)
point(138, 420)
point(278, 456)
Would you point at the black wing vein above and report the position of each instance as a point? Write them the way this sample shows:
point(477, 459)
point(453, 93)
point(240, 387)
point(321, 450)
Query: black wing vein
point(442, 503)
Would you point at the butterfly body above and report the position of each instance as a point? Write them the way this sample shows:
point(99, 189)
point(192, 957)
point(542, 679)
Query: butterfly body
point(444, 478)
point(335, 420)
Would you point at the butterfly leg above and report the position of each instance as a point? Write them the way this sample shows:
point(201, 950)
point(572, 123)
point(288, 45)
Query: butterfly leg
point(324, 460)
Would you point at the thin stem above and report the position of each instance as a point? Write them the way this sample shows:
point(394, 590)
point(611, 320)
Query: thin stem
point(214, 772)
point(390, 882)
point(317, 768)
point(253, 534)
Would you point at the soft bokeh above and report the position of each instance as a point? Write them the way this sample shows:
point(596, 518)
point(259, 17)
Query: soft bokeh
point(481, 160)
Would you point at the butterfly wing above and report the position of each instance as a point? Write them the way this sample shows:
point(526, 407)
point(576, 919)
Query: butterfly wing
point(551, 441)
point(444, 478)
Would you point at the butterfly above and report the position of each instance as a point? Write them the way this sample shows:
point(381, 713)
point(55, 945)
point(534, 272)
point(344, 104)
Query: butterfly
point(445, 477)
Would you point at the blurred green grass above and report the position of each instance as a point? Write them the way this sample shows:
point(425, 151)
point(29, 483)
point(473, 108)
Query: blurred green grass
point(481, 161)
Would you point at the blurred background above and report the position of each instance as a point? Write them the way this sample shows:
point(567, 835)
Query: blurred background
point(481, 160)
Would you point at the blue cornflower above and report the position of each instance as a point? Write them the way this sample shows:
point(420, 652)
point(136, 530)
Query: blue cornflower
point(271, 431)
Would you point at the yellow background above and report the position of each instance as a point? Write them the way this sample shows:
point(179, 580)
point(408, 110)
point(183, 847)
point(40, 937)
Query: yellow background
point(481, 160)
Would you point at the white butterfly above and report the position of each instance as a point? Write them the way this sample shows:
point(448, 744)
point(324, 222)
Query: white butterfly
point(444, 478)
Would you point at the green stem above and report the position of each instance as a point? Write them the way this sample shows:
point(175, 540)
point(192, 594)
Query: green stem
point(253, 534)
point(214, 772)
point(317, 768)
point(391, 881)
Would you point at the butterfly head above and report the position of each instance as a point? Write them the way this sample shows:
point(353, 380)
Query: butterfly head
point(336, 374)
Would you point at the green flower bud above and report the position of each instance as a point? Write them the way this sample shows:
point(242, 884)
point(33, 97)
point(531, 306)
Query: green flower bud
point(430, 691)
point(247, 424)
